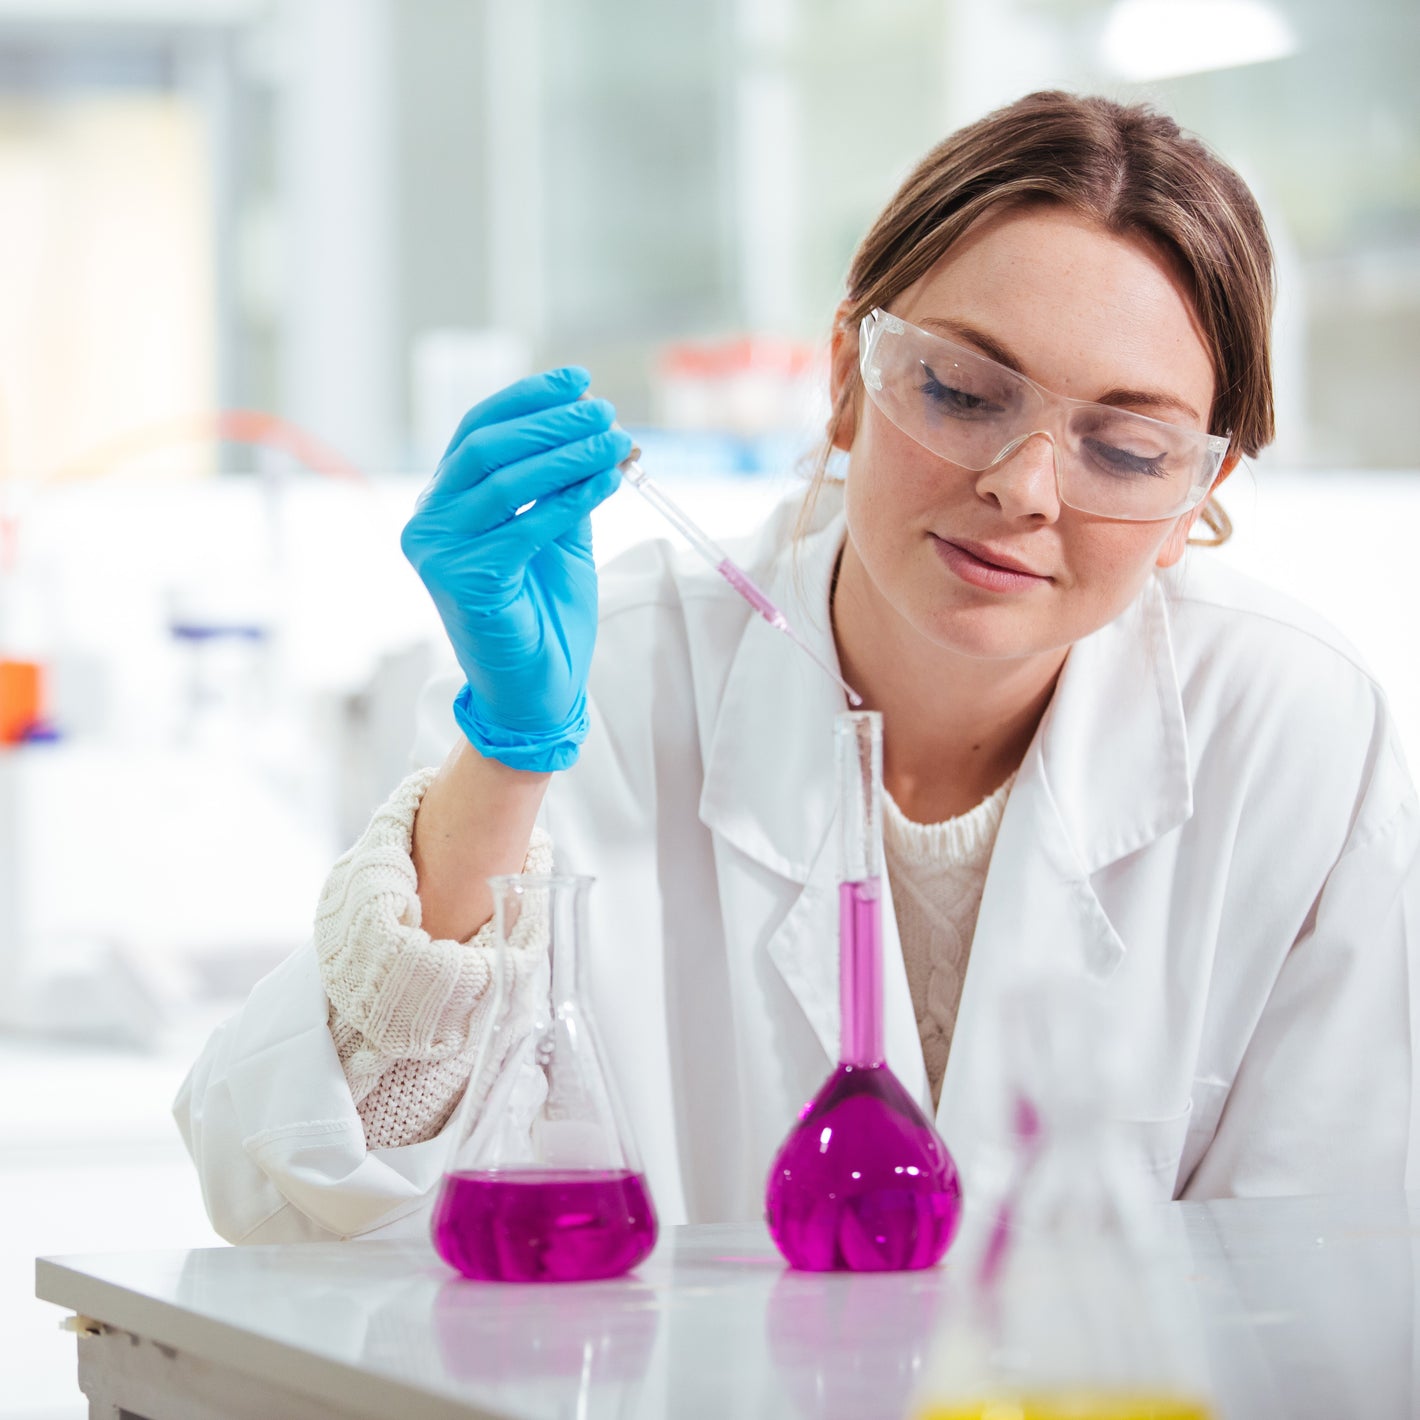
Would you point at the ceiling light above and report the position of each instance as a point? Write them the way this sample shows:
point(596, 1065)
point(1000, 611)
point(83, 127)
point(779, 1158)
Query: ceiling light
point(1158, 39)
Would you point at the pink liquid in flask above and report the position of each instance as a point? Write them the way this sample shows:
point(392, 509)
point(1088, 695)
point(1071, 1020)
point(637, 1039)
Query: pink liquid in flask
point(542, 1225)
point(863, 1183)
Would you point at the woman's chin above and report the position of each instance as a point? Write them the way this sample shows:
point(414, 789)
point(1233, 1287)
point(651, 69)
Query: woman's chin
point(981, 634)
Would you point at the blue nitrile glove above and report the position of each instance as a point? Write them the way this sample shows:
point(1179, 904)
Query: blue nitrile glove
point(518, 591)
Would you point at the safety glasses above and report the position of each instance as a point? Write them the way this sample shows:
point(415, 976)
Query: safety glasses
point(975, 412)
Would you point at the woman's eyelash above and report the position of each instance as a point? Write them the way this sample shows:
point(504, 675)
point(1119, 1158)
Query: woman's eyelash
point(934, 389)
point(1130, 463)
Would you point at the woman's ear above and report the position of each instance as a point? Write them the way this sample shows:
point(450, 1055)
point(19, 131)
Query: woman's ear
point(1177, 539)
point(843, 360)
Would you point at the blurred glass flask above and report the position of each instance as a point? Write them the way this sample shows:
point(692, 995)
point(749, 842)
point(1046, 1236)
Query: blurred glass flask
point(547, 1186)
point(1065, 1305)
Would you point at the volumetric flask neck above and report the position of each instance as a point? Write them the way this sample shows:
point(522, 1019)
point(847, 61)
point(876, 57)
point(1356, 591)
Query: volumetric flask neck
point(863, 1183)
point(860, 972)
point(858, 745)
point(547, 1184)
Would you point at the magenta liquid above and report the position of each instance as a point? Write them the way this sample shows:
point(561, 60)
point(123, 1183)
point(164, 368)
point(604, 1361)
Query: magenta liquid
point(565, 1225)
point(863, 1183)
point(860, 972)
point(741, 582)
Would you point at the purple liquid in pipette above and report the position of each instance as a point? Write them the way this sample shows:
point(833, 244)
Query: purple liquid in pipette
point(566, 1225)
point(751, 593)
point(863, 1183)
point(738, 579)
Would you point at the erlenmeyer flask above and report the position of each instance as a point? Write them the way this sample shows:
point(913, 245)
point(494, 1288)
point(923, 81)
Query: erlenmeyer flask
point(864, 1182)
point(547, 1187)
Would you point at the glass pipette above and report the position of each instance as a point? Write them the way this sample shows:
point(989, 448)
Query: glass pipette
point(735, 575)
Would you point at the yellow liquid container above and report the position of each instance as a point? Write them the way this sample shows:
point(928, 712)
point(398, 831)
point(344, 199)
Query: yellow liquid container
point(1072, 1405)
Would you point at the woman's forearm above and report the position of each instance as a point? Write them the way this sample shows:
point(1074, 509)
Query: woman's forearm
point(474, 822)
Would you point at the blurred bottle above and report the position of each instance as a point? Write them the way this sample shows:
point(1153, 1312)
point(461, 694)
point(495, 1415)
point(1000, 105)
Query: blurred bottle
point(24, 644)
point(22, 700)
point(223, 626)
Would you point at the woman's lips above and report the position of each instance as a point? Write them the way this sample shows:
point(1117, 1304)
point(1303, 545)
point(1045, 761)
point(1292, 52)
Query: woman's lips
point(975, 564)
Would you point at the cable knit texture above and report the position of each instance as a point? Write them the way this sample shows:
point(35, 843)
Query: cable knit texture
point(408, 1013)
point(938, 872)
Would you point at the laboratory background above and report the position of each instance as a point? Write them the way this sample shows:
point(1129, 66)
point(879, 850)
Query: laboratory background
point(258, 256)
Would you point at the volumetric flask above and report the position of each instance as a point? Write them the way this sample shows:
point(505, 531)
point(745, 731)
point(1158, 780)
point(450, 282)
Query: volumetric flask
point(864, 1182)
point(547, 1186)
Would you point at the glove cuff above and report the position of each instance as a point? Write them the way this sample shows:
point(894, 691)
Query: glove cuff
point(542, 753)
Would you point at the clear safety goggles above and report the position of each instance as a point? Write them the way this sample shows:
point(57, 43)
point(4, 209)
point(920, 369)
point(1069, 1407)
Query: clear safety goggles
point(975, 412)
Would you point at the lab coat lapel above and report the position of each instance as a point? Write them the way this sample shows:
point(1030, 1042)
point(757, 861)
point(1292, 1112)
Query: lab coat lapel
point(769, 786)
point(1107, 773)
point(770, 792)
point(1114, 747)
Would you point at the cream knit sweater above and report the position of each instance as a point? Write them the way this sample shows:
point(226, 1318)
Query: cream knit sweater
point(407, 1011)
point(937, 872)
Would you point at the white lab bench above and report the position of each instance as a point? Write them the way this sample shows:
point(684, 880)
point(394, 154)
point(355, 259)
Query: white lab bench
point(1307, 1308)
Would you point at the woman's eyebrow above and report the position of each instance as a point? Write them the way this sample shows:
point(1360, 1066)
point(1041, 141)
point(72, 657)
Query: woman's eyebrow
point(1149, 399)
point(983, 342)
point(988, 345)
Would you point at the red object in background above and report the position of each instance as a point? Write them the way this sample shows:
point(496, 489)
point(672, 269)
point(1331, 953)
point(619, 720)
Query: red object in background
point(21, 700)
point(734, 354)
point(746, 384)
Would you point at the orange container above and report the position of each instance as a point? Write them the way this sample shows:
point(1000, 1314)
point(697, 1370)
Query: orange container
point(21, 699)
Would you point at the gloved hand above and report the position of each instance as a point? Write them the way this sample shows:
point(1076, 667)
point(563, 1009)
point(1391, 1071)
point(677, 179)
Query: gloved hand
point(517, 591)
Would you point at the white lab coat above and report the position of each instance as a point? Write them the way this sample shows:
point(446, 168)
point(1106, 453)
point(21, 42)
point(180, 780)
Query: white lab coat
point(1213, 822)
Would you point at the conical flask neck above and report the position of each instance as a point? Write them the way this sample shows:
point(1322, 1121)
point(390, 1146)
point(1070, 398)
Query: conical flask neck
point(545, 914)
point(564, 1114)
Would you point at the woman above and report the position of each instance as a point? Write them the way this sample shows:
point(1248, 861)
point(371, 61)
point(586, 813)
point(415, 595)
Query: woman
point(1102, 757)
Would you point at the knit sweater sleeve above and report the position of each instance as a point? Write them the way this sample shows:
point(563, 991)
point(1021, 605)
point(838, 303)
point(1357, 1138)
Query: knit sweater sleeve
point(407, 1011)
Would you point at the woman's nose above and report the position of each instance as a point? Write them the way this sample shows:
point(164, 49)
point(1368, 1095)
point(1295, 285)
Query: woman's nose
point(1022, 482)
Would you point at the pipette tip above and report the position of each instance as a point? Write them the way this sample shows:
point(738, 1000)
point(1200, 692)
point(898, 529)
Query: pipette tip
point(854, 698)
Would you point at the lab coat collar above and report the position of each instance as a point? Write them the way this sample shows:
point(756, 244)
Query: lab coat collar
point(1112, 748)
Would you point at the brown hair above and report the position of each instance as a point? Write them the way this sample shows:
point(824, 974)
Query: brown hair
point(1132, 170)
